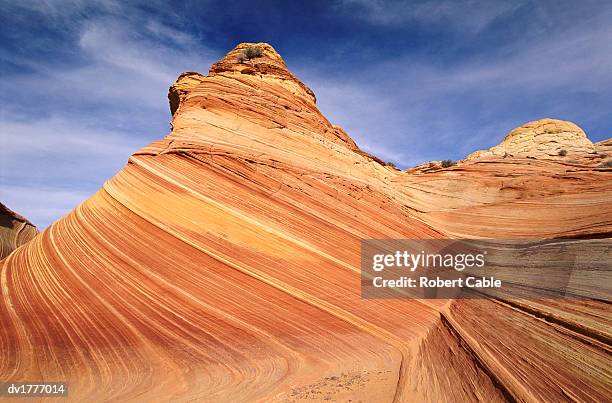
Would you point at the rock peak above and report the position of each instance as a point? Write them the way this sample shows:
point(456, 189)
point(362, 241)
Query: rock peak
point(257, 59)
point(542, 138)
point(545, 137)
point(248, 56)
point(546, 127)
point(246, 59)
point(251, 93)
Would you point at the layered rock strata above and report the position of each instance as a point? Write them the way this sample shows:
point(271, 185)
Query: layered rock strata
point(15, 230)
point(222, 264)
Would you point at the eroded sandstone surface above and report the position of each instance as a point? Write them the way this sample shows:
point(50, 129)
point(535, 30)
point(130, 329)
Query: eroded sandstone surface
point(15, 230)
point(222, 264)
point(542, 138)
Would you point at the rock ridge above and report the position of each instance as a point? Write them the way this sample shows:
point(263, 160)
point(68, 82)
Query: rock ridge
point(268, 64)
point(273, 112)
point(543, 138)
point(222, 263)
point(15, 230)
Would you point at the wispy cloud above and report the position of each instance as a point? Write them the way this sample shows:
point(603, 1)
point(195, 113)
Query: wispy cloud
point(61, 137)
point(84, 83)
point(69, 126)
point(412, 109)
point(50, 165)
point(45, 204)
point(467, 15)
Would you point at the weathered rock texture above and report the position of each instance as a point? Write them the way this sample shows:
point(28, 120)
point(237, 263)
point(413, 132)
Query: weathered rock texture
point(15, 230)
point(222, 264)
point(542, 138)
point(604, 147)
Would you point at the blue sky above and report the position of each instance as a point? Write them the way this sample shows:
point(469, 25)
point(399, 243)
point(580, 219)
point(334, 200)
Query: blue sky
point(83, 84)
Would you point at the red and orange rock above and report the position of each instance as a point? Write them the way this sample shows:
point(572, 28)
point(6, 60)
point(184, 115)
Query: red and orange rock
point(15, 230)
point(222, 264)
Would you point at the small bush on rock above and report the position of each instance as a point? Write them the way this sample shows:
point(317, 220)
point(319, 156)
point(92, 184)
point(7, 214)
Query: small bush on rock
point(562, 152)
point(448, 163)
point(249, 53)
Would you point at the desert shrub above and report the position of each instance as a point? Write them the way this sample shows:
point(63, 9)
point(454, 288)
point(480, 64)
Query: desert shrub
point(249, 53)
point(562, 152)
point(391, 164)
point(607, 163)
point(448, 163)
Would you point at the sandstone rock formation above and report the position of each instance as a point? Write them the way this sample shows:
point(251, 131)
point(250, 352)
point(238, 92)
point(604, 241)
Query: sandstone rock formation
point(544, 138)
point(605, 147)
point(222, 264)
point(15, 230)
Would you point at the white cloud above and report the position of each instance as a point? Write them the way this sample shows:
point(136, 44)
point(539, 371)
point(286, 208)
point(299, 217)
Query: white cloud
point(470, 16)
point(60, 9)
point(75, 124)
point(56, 135)
point(165, 32)
point(41, 158)
point(410, 110)
point(41, 205)
point(111, 43)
